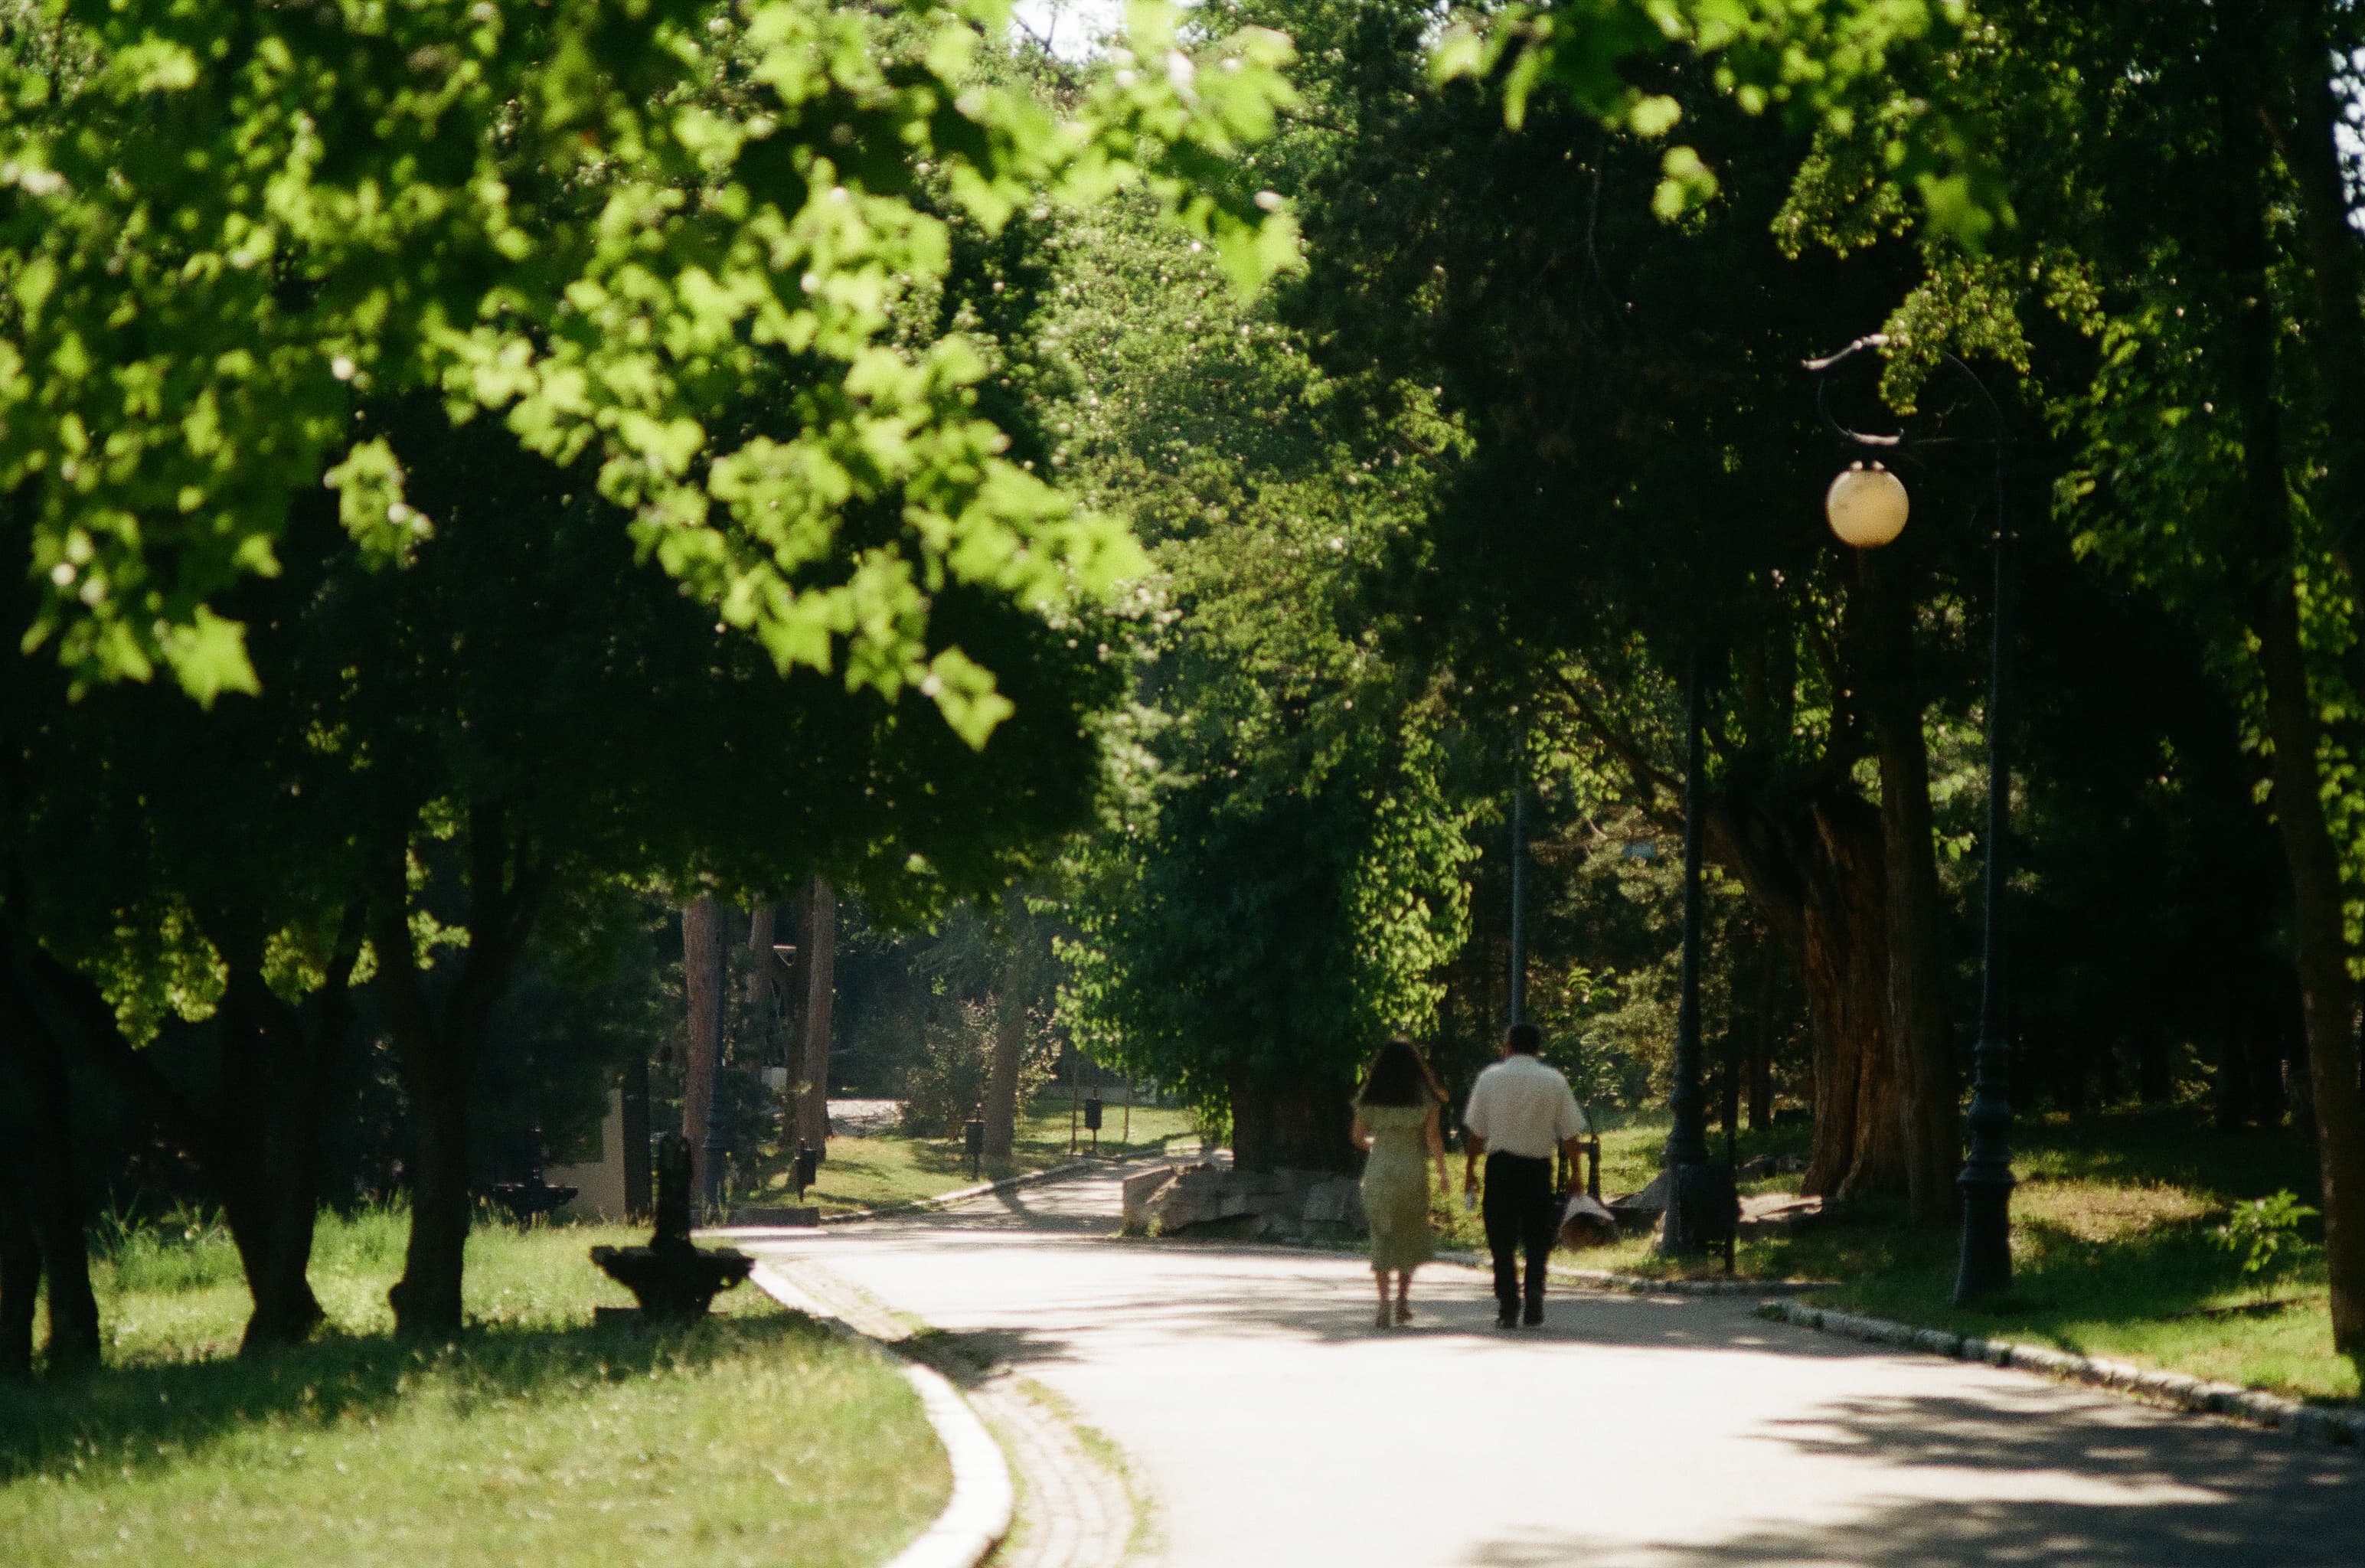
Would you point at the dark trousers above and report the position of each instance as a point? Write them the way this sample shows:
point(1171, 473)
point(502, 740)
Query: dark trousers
point(1521, 1216)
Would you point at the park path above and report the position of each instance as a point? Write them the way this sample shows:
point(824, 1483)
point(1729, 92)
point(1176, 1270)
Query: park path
point(1273, 1425)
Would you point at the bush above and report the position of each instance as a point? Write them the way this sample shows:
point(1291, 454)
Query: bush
point(2263, 1231)
point(945, 1081)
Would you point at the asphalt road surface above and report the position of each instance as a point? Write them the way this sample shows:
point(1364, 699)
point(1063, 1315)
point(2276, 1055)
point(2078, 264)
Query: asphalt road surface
point(1273, 1425)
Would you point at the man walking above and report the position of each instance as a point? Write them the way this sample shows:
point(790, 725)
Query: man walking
point(1520, 1110)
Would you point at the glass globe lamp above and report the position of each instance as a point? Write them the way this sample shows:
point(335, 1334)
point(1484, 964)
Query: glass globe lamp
point(1866, 506)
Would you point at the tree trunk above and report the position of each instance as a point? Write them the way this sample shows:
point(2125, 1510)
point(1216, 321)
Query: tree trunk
point(58, 1210)
point(438, 1047)
point(259, 1150)
point(266, 1159)
point(1859, 1138)
point(1001, 1075)
point(701, 984)
point(20, 1252)
point(763, 979)
point(426, 1300)
point(1928, 1099)
point(2328, 997)
point(1287, 1124)
point(1761, 1039)
point(33, 1031)
point(820, 949)
point(303, 1062)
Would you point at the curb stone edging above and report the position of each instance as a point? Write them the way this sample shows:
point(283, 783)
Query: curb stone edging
point(978, 1514)
point(2198, 1396)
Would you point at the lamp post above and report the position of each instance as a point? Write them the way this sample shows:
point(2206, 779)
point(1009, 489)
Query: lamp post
point(1517, 998)
point(1699, 1195)
point(1868, 507)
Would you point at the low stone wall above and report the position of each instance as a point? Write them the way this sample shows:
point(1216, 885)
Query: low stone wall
point(1285, 1204)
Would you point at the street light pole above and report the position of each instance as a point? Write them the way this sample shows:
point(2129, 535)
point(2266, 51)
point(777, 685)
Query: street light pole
point(1985, 1267)
point(1986, 1182)
point(1518, 981)
point(1694, 1195)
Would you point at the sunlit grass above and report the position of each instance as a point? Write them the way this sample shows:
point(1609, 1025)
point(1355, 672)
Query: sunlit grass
point(893, 1167)
point(538, 1436)
point(2113, 1250)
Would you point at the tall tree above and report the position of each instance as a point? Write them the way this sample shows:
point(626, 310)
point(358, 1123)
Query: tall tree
point(702, 985)
point(817, 911)
point(1279, 876)
point(1629, 397)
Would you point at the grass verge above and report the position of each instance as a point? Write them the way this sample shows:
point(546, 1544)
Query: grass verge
point(2114, 1249)
point(896, 1168)
point(753, 1438)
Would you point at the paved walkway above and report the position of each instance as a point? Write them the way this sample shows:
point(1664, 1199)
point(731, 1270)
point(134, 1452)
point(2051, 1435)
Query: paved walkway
point(1276, 1426)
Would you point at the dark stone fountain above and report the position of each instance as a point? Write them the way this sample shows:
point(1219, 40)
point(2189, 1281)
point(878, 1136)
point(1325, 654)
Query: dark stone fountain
point(671, 1278)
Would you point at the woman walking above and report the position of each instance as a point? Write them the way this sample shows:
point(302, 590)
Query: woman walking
point(1395, 1122)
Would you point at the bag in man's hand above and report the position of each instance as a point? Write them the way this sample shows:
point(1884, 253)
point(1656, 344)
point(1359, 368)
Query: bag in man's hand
point(1587, 1222)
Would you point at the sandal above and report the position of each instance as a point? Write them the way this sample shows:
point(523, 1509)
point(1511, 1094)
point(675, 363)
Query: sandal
point(1403, 1312)
point(1382, 1321)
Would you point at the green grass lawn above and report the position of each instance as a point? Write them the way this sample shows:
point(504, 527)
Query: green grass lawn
point(2113, 1252)
point(755, 1438)
point(868, 1172)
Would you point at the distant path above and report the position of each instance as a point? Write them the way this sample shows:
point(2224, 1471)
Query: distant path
point(863, 1118)
point(1276, 1428)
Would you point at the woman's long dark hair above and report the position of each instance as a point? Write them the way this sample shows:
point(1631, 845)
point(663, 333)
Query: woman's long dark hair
point(1398, 1076)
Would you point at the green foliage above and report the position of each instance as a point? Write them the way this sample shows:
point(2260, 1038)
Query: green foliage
point(1278, 876)
point(944, 1081)
point(2264, 1232)
point(1868, 72)
point(225, 232)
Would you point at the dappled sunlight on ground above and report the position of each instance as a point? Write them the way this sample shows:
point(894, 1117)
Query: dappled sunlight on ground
point(1279, 1426)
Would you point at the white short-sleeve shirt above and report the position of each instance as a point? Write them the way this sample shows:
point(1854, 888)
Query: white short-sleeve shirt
point(1522, 1107)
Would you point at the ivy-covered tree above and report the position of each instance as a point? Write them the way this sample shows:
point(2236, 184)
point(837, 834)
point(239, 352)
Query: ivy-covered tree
point(1279, 878)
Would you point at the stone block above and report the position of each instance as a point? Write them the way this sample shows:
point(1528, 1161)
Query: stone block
point(1640, 1210)
point(1194, 1196)
point(1140, 1193)
point(1282, 1201)
point(1337, 1202)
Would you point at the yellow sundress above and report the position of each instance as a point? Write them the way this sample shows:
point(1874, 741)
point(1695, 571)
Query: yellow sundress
point(1396, 1186)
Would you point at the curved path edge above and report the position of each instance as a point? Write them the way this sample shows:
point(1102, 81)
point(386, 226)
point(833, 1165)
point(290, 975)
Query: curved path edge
point(2196, 1395)
point(963, 1195)
point(978, 1514)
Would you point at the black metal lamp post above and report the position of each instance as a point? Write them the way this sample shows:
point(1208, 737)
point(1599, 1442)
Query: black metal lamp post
point(1699, 1194)
point(1867, 507)
point(1518, 997)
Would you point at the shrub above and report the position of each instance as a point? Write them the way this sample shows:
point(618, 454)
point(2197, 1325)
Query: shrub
point(945, 1081)
point(2264, 1231)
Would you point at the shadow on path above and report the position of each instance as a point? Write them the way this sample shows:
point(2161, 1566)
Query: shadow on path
point(2159, 1494)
